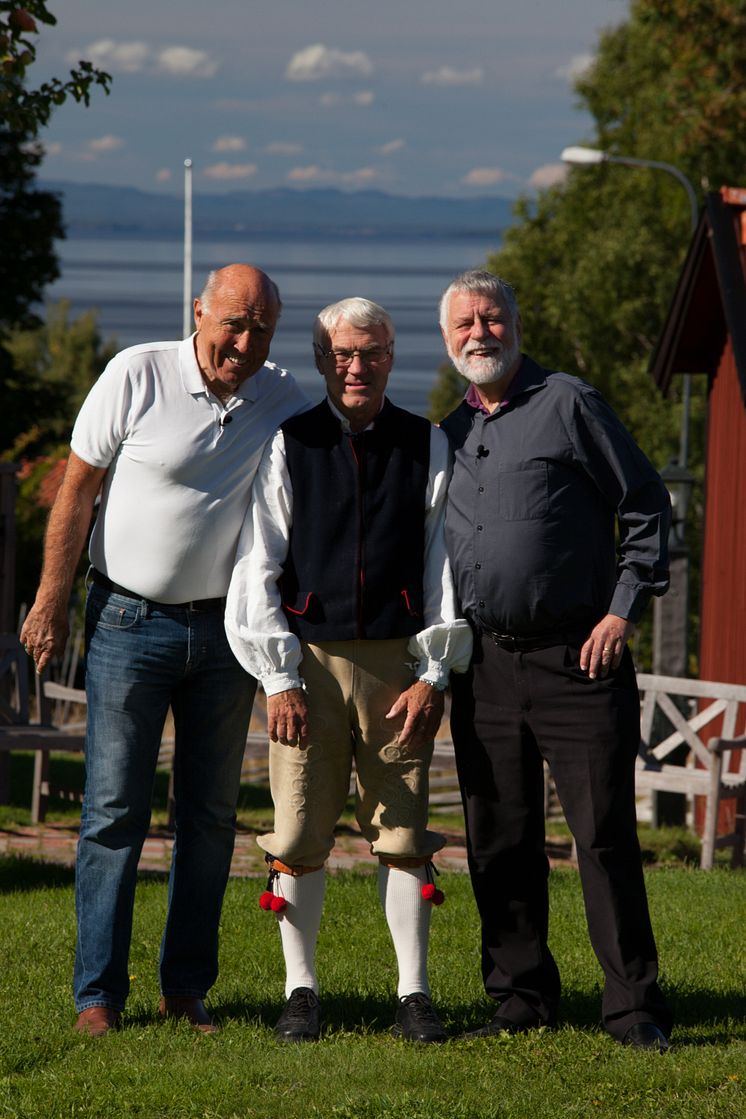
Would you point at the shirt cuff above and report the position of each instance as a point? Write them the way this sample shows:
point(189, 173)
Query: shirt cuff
point(629, 602)
point(280, 682)
point(436, 679)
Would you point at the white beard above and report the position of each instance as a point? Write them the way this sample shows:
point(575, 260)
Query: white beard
point(484, 370)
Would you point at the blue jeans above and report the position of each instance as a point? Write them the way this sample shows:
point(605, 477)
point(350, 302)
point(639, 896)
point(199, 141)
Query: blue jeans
point(141, 659)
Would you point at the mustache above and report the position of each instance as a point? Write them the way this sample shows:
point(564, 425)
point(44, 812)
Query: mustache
point(494, 349)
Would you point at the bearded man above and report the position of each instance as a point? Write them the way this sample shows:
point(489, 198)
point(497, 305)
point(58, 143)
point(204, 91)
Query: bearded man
point(543, 470)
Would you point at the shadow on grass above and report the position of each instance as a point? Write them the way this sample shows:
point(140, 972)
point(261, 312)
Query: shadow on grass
point(19, 873)
point(340, 1013)
point(695, 1008)
point(692, 1009)
point(701, 1017)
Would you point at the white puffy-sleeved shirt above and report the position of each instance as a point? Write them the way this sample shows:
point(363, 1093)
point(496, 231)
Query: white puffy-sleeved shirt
point(255, 621)
point(180, 465)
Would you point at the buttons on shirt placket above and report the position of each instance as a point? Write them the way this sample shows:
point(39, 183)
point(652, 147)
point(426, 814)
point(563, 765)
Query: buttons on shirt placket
point(482, 453)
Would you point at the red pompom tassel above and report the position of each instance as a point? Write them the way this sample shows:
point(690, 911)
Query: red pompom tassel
point(428, 891)
point(278, 904)
point(265, 901)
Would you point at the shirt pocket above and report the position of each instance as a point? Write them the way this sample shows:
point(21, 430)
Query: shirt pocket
point(523, 491)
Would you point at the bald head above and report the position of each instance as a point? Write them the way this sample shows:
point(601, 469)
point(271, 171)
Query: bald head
point(235, 316)
point(234, 276)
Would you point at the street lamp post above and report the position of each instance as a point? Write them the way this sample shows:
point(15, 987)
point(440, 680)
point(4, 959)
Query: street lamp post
point(580, 156)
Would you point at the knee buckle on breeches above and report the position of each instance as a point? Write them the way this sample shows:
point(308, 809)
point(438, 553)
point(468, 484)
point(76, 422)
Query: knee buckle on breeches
point(429, 890)
point(271, 898)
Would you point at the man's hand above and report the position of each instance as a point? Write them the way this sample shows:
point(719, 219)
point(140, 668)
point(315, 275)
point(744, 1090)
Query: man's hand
point(287, 718)
point(424, 708)
point(45, 631)
point(603, 650)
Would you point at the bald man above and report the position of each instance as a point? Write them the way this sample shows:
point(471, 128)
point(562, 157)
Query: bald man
point(171, 435)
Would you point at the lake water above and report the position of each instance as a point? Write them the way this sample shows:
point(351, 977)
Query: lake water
point(136, 284)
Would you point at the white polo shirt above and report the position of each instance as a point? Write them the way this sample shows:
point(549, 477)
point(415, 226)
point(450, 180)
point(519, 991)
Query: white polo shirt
point(180, 467)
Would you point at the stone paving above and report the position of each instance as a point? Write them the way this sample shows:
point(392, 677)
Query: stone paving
point(56, 843)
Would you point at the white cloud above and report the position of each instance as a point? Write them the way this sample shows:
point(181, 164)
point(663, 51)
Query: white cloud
point(163, 175)
point(310, 174)
point(134, 57)
point(548, 175)
point(485, 176)
point(185, 62)
point(279, 147)
point(315, 174)
point(447, 75)
point(363, 98)
point(228, 171)
point(391, 147)
point(106, 143)
point(229, 144)
point(54, 148)
point(317, 62)
point(119, 58)
point(578, 65)
point(361, 176)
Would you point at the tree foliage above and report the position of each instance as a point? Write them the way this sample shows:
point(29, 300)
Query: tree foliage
point(53, 366)
point(30, 219)
point(594, 259)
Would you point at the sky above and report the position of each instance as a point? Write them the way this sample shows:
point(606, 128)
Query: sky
point(450, 98)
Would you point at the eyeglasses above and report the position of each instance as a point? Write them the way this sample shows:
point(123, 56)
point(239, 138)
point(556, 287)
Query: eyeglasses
point(371, 357)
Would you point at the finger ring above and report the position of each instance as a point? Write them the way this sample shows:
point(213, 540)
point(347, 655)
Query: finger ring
point(607, 648)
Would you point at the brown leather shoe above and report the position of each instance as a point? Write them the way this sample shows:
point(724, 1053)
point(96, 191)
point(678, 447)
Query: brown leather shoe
point(193, 1010)
point(96, 1021)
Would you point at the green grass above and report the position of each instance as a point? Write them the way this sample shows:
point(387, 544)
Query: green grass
point(151, 1069)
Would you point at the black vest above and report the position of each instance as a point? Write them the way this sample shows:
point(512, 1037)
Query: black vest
point(357, 542)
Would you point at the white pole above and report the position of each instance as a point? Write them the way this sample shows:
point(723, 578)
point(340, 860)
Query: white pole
point(187, 327)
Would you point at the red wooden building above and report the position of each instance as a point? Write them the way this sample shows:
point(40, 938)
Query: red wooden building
point(705, 333)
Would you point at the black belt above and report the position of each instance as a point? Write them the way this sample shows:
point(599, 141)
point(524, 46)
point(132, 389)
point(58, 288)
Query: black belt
point(197, 606)
point(529, 643)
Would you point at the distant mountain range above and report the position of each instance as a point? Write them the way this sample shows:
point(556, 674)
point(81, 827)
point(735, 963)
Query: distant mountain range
point(95, 209)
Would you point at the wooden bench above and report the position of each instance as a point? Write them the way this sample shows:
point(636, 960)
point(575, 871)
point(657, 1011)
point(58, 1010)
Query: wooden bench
point(43, 737)
point(18, 733)
point(679, 712)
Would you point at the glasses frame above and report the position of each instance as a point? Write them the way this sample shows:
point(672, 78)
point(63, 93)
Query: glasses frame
point(388, 352)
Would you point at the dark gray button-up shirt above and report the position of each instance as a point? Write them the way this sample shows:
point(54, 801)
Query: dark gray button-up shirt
point(530, 526)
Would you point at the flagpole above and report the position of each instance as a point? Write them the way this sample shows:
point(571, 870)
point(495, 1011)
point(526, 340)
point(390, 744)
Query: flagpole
point(187, 326)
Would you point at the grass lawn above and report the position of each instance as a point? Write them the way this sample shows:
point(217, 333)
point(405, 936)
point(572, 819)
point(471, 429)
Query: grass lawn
point(153, 1069)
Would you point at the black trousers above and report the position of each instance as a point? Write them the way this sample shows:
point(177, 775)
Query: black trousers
point(509, 713)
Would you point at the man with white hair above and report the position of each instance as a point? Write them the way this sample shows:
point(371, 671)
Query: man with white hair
point(342, 605)
point(543, 469)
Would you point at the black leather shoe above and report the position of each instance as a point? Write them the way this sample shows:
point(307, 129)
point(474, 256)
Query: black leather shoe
point(416, 1020)
point(189, 1009)
point(498, 1025)
point(299, 1020)
point(646, 1035)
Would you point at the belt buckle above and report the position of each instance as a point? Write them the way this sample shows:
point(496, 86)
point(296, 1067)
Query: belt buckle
point(505, 641)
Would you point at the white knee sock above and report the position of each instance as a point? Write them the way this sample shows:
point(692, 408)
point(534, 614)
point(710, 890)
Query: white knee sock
point(299, 927)
point(408, 917)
